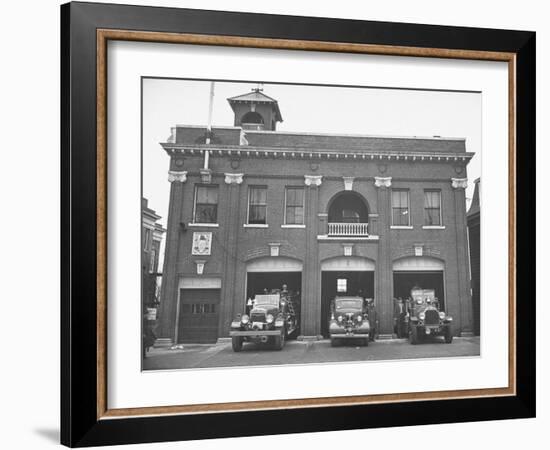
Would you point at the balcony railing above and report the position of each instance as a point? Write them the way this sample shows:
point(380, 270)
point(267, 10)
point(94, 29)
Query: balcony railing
point(348, 229)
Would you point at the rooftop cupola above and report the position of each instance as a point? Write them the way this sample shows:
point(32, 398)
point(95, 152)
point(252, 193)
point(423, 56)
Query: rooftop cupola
point(255, 111)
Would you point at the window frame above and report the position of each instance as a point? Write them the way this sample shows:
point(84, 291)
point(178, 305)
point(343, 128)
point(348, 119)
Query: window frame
point(440, 224)
point(250, 187)
point(295, 187)
point(195, 196)
point(408, 192)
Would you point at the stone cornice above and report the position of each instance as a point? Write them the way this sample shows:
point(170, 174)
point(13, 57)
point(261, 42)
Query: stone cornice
point(315, 154)
point(180, 177)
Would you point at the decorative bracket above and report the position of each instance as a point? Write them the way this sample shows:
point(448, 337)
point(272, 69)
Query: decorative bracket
point(200, 266)
point(180, 177)
point(348, 183)
point(382, 182)
point(234, 178)
point(313, 180)
point(459, 183)
point(274, 249)
point(206, 176)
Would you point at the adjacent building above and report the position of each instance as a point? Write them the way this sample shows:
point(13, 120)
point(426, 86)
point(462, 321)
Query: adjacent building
point(252, 208)
point(474, 234)
point(152, 235)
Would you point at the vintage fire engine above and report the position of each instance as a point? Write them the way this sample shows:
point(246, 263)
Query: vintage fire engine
point(271, 319)
point(349, 319)
point(426, 318)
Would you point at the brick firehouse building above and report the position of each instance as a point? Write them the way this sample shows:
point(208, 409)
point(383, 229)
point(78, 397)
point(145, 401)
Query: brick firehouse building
point(252, 208)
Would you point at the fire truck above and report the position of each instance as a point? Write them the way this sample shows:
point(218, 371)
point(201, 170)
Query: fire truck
point(426, 317)
point(272, 318)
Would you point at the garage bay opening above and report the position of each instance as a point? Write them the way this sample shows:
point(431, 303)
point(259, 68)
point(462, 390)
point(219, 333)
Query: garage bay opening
point(343, 283)
point(259, 283)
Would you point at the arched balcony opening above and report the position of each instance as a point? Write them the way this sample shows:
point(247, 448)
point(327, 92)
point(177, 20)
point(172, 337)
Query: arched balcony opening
point(348, 215)
point(252, 121)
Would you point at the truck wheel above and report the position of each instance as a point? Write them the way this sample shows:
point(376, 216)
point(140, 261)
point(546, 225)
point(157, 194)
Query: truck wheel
point(448, 335)
point(413, 336)
point(237, 343)
point(279, 341)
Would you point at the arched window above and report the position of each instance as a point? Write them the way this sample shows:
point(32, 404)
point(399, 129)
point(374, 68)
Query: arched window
point(252, 121)
point(348, 207)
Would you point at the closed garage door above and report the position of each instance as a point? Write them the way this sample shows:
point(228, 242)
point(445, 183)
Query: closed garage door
point(199, 313)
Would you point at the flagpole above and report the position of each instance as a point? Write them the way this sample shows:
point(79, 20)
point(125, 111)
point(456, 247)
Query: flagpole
point(209, 124)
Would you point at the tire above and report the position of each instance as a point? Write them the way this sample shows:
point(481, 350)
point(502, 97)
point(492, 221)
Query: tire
point(366, 342)
point(279, 341)
point(237, 343)
point(448, 335)
point(333, 343)
point(413, 336)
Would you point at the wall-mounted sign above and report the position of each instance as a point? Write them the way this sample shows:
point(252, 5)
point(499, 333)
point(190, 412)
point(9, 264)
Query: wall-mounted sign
point(202, 243)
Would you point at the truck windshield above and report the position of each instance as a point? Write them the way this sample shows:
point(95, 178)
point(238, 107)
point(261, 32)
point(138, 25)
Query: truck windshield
point(271, 300)
point(349, 304)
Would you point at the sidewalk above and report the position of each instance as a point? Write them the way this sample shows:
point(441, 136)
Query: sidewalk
point(187, 356)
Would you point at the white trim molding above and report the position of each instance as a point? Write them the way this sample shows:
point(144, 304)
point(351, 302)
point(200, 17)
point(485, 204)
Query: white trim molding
point(209, 225)
point(382, 182)
point(180, 177)
point(234, 178)
point(401, 227)
point(433, 227)
point(348, 183)
point(313, 180)
point(292, 225)
point(255, 225)
point(459, 183)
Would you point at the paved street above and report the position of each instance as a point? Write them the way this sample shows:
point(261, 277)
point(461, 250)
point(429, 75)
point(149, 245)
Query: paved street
point(303, 352)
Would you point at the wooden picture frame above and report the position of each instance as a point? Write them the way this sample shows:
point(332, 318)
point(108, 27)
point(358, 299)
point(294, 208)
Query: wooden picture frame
point(85, 416)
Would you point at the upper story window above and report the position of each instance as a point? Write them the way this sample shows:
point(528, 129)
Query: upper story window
point(152, 264)
point(400, 207)
point(294, 209)
point(257, 205)
point(206, 204)
point(146, 239)
point(432, 207)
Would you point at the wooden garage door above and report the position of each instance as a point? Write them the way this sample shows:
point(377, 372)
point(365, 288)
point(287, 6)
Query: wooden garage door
point(199, 312)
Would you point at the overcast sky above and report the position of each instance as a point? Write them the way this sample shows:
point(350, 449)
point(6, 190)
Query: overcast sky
point(323, 109)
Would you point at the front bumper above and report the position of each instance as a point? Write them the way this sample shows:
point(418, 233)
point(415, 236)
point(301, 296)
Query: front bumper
point(251, 333)
point(349, 336)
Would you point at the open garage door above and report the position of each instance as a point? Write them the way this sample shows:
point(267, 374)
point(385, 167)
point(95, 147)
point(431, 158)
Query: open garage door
point(422, 272)
point(346, 275)
point(265, 275)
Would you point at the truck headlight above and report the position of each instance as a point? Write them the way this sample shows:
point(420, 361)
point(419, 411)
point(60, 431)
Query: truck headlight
point(359, 318)
point(269, 318)
point(340, 318)
point(245, 319)
point(422, 315)
point(441, 315)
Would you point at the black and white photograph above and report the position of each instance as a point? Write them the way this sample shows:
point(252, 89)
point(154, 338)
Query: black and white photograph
point(308, 224)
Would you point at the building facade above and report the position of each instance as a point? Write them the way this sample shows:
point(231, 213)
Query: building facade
point(252, 208)
point(152, 234)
